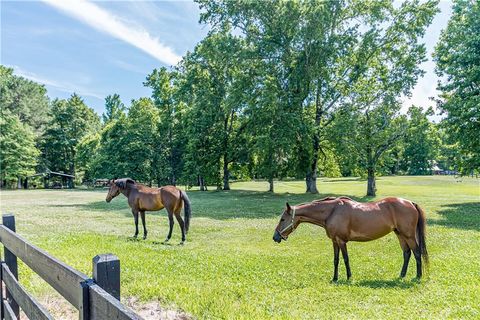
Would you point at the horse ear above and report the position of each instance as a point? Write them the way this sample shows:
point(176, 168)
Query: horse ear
point(120, 183)
point(128, 180)
point(288, 207)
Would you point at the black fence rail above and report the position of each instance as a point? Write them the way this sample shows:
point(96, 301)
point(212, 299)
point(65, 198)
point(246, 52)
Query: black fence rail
point(95, 298)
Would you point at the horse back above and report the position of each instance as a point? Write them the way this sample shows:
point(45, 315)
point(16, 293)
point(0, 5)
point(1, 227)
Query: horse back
point(357, 221)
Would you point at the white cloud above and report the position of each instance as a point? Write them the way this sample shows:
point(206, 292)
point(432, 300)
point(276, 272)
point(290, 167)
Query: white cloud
point(102, 20)
point(61, 86)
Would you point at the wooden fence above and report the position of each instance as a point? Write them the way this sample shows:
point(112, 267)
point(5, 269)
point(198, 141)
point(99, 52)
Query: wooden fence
point(95, 298)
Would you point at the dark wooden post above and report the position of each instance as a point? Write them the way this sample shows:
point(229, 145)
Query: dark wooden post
point(106, 273)
point(8, 221)
point(1, 290)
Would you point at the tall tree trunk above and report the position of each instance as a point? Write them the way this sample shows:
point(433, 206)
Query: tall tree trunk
point(226, 174)
point(71, 181)
point(19, 183)
point(227, 130)
point(270, 183)
point(371, 187)
point(311, 177)
point(202, 184)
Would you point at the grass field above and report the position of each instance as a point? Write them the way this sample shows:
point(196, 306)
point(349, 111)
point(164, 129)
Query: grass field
point(230, 268)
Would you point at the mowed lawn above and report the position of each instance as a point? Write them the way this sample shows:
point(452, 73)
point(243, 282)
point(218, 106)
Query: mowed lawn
point(230, 268)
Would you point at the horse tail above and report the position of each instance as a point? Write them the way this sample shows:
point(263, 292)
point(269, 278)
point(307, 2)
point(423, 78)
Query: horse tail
point(421, 225)
point(187, 209)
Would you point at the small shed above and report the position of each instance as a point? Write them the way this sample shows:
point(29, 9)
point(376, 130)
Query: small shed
point(52, 180)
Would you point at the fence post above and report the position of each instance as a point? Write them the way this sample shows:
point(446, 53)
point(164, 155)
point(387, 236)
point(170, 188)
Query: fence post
point(1, 290)
point(8, 221)
point(106, 273)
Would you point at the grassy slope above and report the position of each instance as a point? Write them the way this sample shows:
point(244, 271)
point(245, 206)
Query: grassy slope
point(230, 268)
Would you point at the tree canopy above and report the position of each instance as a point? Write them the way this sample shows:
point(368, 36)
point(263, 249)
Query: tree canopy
point(457, 56)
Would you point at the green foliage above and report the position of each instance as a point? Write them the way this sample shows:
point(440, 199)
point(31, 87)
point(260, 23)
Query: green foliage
point(140, 139)
point(168, 152)
point(213, 86)
point(421, 143)
point(71, 120)
point(457, 56)
point(114, 108)
point(24, 98)
point(18, 154)
point(317, 56)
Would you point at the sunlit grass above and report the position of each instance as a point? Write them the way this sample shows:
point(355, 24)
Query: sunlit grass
point(230, 267)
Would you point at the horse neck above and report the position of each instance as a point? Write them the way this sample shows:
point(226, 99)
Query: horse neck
point(316, 213)
point(128, 189)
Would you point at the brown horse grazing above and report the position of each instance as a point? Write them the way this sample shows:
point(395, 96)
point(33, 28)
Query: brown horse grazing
point(142, 198)
point(347, 220)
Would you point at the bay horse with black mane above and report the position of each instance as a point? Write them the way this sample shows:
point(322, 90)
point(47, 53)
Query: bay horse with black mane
point(347, 220)
point(142, 198)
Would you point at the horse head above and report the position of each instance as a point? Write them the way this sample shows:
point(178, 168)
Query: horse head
point(116, 185)
point(286, 224)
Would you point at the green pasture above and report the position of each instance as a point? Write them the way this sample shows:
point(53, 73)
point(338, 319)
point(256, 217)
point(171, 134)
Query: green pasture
point(231, 269)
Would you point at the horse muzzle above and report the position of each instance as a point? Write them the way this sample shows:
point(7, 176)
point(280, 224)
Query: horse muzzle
point(277, 237)
point(108, 199)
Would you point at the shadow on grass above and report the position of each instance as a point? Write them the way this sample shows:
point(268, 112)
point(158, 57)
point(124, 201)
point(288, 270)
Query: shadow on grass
point(219, 205)
point(459, 215)
point(388, 284)
point(380, 284)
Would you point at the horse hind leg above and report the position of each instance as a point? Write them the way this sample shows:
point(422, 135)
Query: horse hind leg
point(182, 225)
point(336, 253)
point(135, 217)
point(142, 215)
point(171, 222)
point(412, 244)
point(407, 252)
point(343, 247)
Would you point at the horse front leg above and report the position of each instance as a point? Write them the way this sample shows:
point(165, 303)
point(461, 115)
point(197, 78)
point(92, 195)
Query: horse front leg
point(336, 254)
point(142, 214)
point(182, 226)
point(135, 217)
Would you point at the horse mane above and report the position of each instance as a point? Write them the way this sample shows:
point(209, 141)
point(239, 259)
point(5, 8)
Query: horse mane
point(122, 183)
point(333, 198)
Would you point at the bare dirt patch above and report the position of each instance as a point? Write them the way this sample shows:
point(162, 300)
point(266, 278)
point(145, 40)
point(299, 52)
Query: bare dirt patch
point(60, 309)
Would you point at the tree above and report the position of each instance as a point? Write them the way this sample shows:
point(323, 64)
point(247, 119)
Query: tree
point(70, 121)
point(87, 155)
point(140, 139)
point(379, 130)
point(457, 58)
point(421, 142)
point(18, 154)
point(26, 99)
point(320, 51)
point(114, 108)
point(213, 86)
point(170, 146)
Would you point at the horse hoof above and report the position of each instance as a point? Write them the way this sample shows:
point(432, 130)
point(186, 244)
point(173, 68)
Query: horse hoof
point(144, 237)
point(181, 243)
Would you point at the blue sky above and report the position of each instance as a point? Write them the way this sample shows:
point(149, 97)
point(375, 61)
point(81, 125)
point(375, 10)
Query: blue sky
point(100, 48)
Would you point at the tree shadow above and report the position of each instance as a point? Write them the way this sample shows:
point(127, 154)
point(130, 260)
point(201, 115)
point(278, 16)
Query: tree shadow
point(220, 205)
point(464, 216)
